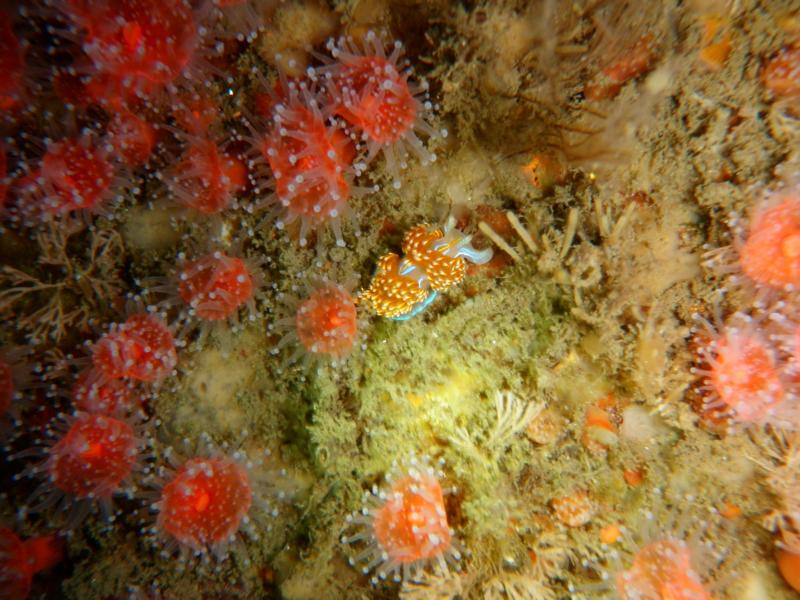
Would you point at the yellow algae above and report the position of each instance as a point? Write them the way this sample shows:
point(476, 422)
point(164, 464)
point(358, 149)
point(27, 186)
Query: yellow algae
point(148, 228)
point(210, 389)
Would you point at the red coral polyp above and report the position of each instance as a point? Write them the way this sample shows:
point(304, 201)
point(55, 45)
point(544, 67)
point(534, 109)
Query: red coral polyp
point(136, 46)
point(771, 254)
point(372, 92)
point(742, 377)
point(141, 349)
point(132, 137)
point(374, 97)
point(781, 73)
point(412, 523)
point(633, 63)
point(327, 323)
point(21, 559)
point(3, 178)
point(204, 504)
point(405, 527)
point(93, 458)
point(310, 163)
point(6, 386)
point(207, 179)
point(79, 174)
point(92, 393)
point(662, 569)
point(75, 174)
point(745, 376)
point(12, 65)
point(216, 286)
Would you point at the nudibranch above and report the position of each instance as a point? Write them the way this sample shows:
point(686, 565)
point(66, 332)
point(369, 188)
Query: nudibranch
point(433, 260)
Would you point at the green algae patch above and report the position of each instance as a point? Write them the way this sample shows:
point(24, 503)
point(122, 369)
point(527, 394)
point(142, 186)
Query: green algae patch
point(428, 386)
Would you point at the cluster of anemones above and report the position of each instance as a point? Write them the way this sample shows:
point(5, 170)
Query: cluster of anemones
point(749, 361)
point(133, 60)
point(312, 132)
point(140, 63)
point(203, 496)
point(131, 110)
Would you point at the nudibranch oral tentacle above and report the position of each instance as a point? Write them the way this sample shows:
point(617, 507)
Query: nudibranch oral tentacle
point(460, 247)
point(434, 260)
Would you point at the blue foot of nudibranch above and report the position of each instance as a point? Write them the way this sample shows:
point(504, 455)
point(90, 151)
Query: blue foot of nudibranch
point(417, 308)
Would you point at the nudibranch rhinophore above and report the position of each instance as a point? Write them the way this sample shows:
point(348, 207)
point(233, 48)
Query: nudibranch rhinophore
point(433, 260)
